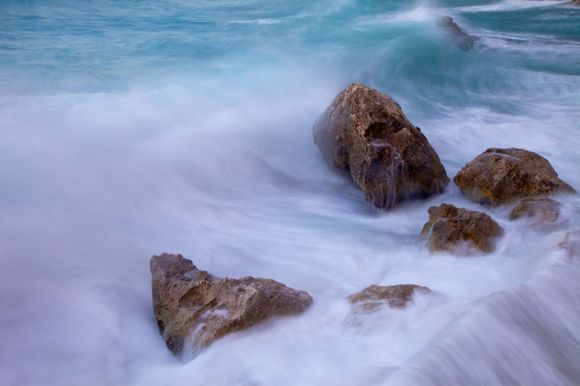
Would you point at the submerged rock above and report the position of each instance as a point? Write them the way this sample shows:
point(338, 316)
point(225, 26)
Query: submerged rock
point(193, 308)
point(367, 134)
point(450, 228)
point(395, 296)
point(543, 211)
point(498, 176)
point(457, 35)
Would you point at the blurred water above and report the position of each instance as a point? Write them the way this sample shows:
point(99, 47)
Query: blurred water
point(136, 127)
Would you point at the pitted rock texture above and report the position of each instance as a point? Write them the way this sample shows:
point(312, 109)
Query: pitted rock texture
point(498, 176)
point(449, 228)
point(193, 308)
point(366, 134)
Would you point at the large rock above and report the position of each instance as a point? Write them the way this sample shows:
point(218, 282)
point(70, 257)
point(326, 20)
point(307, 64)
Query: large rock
point(395, 296)
point(366, 134)
point(193, 308)
point(498, 176)
point(451, 229)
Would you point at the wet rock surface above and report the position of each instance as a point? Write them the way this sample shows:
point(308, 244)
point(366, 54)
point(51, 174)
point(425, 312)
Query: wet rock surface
point(498, 176)
point(193, 308)
point(456, 34)
point(395, 296)
point(450, 229)
point(366, 134)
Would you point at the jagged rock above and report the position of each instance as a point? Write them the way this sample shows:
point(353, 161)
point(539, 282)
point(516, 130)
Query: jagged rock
point(543, 211)
point(395, 296)
point(498, 176)
point(449, 228)
point(367, 134)
point(193, 308)
point(457, 35)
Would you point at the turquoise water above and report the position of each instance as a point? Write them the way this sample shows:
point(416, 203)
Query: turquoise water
point(131, 128)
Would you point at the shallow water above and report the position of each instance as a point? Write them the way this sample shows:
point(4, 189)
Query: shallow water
point(137, 127)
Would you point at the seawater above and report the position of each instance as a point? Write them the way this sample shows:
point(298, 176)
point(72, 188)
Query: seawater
point(131, 128)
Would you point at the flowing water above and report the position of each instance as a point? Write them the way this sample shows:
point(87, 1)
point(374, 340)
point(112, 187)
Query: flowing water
point(131, 128)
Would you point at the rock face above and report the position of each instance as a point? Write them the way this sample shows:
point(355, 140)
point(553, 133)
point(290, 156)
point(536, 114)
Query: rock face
point(457, 35)
point(396, 296)
point(542, 210)
point(449, 228)
point(366, 134)
point(193, 308)
point(498, 176)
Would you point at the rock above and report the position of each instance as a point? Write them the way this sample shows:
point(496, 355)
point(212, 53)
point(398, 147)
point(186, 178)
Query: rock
point(449, 228)
point(367, 134)
point(543, 211)
point(459, 37)
point(193, 308)
point(498, 176)
point(571, 244)
point(396, 296)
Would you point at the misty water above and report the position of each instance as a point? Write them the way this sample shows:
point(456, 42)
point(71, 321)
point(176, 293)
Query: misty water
point(131, 128)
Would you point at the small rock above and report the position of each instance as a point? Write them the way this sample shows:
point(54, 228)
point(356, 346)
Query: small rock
point(571, 243)
point(396, 296)
point(542, 210)
point(457, 35)
point(366, 134)
point(498, 176)
point(193, 308)
point(450, 227)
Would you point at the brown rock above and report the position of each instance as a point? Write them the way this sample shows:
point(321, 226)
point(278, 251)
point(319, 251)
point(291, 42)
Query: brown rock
point(367, 134)
point(193, 308)
point(396, 296)
point(542, 210)
point(498, 176)
point(449, 227)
